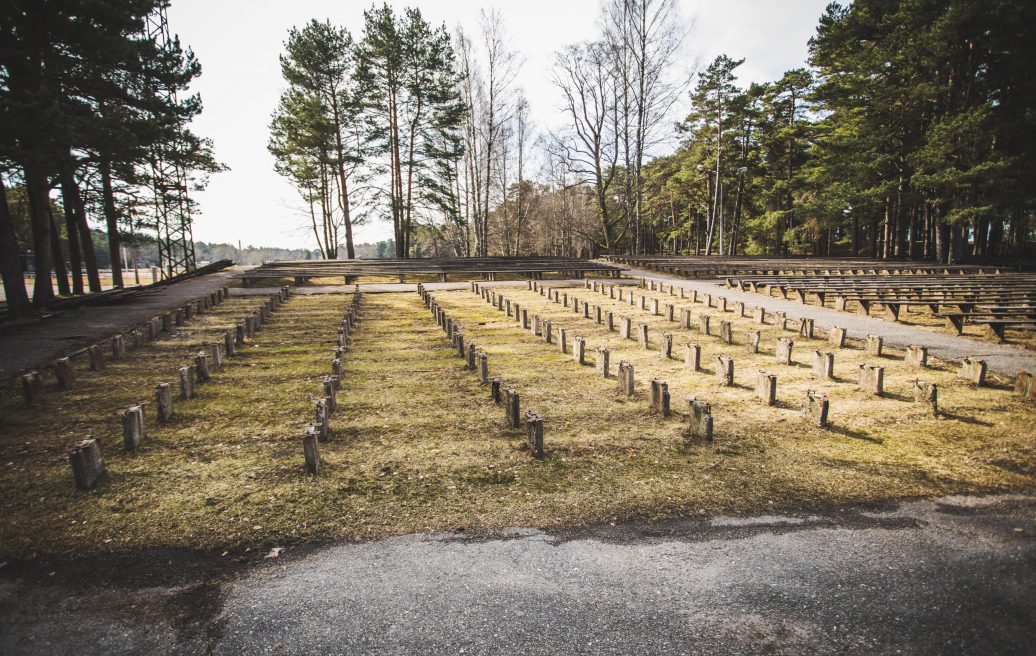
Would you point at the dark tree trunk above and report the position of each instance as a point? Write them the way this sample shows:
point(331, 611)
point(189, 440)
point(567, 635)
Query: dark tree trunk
point(70, 190)
point(60, 272)
point(10, 262)
point(111, 216)
point(36, 186)
point(72, 230)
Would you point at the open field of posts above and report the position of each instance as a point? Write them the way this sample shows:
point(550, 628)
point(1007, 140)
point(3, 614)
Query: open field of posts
point(291, 418)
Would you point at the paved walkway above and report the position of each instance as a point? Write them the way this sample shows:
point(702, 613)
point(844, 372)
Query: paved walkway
point(943, 576)
point(1002, 358)
point(29, 345)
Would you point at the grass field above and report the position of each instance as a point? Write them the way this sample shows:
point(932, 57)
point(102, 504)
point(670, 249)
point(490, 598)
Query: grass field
point(418, 445)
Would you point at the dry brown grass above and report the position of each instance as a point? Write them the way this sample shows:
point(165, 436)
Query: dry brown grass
point(417, 444)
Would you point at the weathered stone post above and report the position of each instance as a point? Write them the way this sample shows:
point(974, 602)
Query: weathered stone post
point(598, 314)
point(806, 328)
point(87, 463)
point(670, 312)
point(784, 347)
point(609, 321)
point(562, 339)
point(187, 378)
point(525, 319)
point(725, 370)
point(874, 344)
point(601, 363)
point(494, 390)
point(311, 449)
point(229, 347)
point(513, 407)
point(692, 357)
point(65, 372)
point(872, 379)
point(96, 354)
point(654, 307)
point(823, 364)
point(685, 318)
point(201, 367)
point(579, 350)
point(163, 402)
point(547, 331)
point(666, 347)
point(700, 420)
point(132, 427)
point(483, 367)
point(118, 347)
point(837, 337)
point(816, 407)
point(535, 325)
point(927, 393)
point(239, 334)
point(739, 308)
point(766, 388)
point(167, 322)
point(330, 393)
point(625, 328)
point(336, 367)
point(216, 349)
point(323, 419)
point(1024, 387)
point(626, 381)
point(472, 352)
point(759, 315)
point(703, 323)
point(660, 397)
point(721, 303)
point(178, 316)
point(534, 433)
point(726, 332)
point(754, 337)
point(973, 371)
point(780, 319)
point(643, 302)
point(642, 334)
point(917, 356)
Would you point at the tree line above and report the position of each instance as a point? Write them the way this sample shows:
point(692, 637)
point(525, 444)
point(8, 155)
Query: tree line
point(88, 107)
point(908, 134)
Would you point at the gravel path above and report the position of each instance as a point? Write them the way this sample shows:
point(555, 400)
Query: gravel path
point(942, 576)
point(29, 345)
point(1002, 358)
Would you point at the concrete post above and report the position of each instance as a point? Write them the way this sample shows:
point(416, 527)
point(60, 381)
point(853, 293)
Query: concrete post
point(87, 463)
point(816, 407)
point(725, 370)
point(700, 416)
point(766, 388)
point(660, 397)
point(692, 357)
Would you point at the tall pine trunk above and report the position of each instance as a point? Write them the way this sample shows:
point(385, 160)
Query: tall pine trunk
point(86, 242)
point(10, 262)
point(111, 216)
point(72, 230)
point(36, 186)
point(60, 273)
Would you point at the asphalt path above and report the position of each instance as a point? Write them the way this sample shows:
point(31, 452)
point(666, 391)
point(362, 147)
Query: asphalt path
point(955, 575)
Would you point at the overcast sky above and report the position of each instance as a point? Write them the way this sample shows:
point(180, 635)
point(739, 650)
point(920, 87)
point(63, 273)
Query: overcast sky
point(238, 44)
